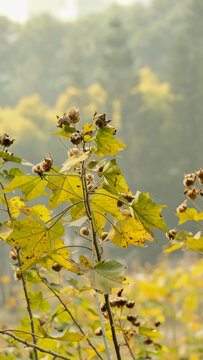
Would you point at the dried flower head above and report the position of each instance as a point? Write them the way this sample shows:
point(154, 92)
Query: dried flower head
point(98, 331)
point(128, 197)
point(189, 179)
point(101, 120)
point(84, 231)
point(76, 138)
point(63, 120)
point(130, 304)
point(13, 254)
point(200, 176)
point(74, 115)
point(104, 235)
point(182, 208)
point(192, 194)
point(132, 318)
point(171, 234)
point(5, 140)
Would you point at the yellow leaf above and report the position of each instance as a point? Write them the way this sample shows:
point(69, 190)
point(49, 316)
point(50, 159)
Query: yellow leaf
point(174, 247)
point(129, 232)
point(91, 352)
point(74, 160)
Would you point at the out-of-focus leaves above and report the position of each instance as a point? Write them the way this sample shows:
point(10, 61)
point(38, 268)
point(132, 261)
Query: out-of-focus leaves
point(129, 232)
point(67, 336)
point(30, 186)
point(152, 333)
point(74, 160)
point(66, 131)
point(34, 237)
point(189, 214)
point(114, 180)
point(106, 142)
point(145, 210)
point(37, 301)
point(91, 352)
point(64, 188)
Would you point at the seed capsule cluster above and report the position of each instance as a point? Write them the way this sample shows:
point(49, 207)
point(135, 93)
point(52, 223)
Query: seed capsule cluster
point(189, 180)
point(44, 166)
point(69, 118)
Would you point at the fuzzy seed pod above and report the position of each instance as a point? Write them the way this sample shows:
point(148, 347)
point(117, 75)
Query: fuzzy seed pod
point(171, 234)
point(98, 331)
point(101, 120)
point(104, 235)
point(5, 140)
point(75, 151)
point(192, 194)
point(132, 318)
point(103, 307)
point(37, 169)
point(91, 187)
point(89, 178)
point(17, 276)
point(13, 254)
point(118, 301)
point(200, 176)
point(56, 267)
point(182, 208)
point(130, 304)
point(74, 115)
point(47, 163)
point(84, 231)
point(76, 138)
point(63, 120)
point(189, 179)
point(127, 197)
point(148, 341)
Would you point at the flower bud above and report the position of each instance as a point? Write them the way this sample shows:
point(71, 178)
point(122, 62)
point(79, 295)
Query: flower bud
point(182, 208)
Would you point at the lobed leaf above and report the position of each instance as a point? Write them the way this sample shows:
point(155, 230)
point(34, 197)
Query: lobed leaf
point(114, 180)
point(189, 214)
point(106, 142)
point(65, 132)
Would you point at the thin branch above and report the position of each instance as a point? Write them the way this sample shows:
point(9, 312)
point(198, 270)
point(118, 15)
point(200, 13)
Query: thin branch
point(70, 314)
point(6, 201)
point(24, 332)
point(113, 331)
point(68, 246)
point(102, 325)
point(82, 236)
point(34, 346)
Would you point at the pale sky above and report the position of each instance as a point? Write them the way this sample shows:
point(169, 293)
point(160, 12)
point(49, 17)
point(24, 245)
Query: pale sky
point(17, 9)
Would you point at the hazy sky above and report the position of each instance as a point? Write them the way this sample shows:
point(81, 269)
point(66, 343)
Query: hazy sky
point(17, 9)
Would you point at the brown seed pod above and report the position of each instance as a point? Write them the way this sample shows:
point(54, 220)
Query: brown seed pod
point(192, 194)
point(63, 120)
point(5, 140)
point(13, 254)
point(130, 304)
point(76, 138)
point(98, 331)
point(118, 301)
point(56, 267)
point(119, 203)
point(104, 235)
point(119, 293)
point(75, 151)
point(182, 208)
point(74, 115)
point(189, 179)
point(127, 197)
point(132, 318)
point(137, 323)
point(101, 120)
point(157, 323)
point(84, 231)
point(17, 276)
point(125, 212)
point(103, 307)
point(200, 176)
point(171, 234)
point(89, 178)
point(47, 163)
point(148, 341)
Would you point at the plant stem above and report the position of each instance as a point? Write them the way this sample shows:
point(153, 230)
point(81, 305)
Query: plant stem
point(102, 325)
point(96, 248)
point(70, 314)
point(34, 346)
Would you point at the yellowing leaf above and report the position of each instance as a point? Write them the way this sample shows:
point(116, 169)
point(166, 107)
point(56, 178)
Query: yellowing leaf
point(189, 214)
point(91, 352)
point(74, 160)
point(34, 237)
point(174, 247)
point(105, 204)
point(129, 232)
point(41, 211)
point(114, 180)
point(65, 132)
point(195, 243)
point(88, 127)
point(15, 206)
point(106, 142)
point(30, 186)
point(67, 336)
point(152, 333)
point(64, 188)
point(146, 211)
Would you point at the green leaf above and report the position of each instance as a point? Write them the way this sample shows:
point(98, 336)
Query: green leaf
point(114, 180)
point(152, 333)
point(77, 211)
point(129, 232)
point(189, 214)
point(106, 142)
point(195, 243)
point(148, 213)
point(66, 131)
point(30, 186)
point(35, 238)
point(74, 160)
point(106, 275)
point(64, 188)
point(7, 157)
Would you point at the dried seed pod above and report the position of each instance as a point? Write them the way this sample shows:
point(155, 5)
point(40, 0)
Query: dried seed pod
point(89, 178)
point(200, 176)
point(182, 208)
point(157, 323)
point(119, 203)
point(63, 120)
point(41, 322)
point(171, 234)
point(189, 179)
point(130, 304)
point(132, 318)
point(56, 267)
point(5, 140)
point(37, 169)
point(76, 138)
point(104, 235)
point(127, 197)
point(91, 187)
point(84, 231)
point(103, 307)
point(121, 301)
point(47, 163)
point(17, 276)
point(101, 120)
point(98, 331)
point(148, 341)
point(137, 323)
point(75, 151)
point(192, 194)
point(13, 254)
point(74, 115)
